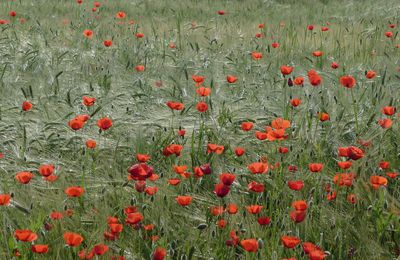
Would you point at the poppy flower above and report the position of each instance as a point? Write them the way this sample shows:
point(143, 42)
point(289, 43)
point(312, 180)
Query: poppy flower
point(370, 74)
point(12, 13)
point(345, 165)
point(214, 148)
point(334, 65)
point(261, 135)
point(298, 81)
point(88, 33)
point(280, 123)
point(151, 190)
point(256, 55)
point(232, 209)
point(314, 78)
point(97, 4)
point(55, 215)
point(74, 191)
point(184, 200)
point(239, 151)
point(76, 124)
point(5, 199)
point(261, 25)
point(388, 110)
point(295, 102)
point(249, 245)
point(391, 175)
point(173, 149)
point(384, 165)
point(221, 190)
point(139, 35)
point(142, 157)
point(323, 116)
point(88, 101)
point(317, 53)
point(247, 126)
point(175, 105)
point(24, 177)
point(139, 68)
point(310, 27)
point(221, 12)
point(258, 167)
point(159, 254)
point(72, 239)
point(120, 15)
point(40, 249)
point(51, 178)
point(351, 198)
point(203, 91)
point(299, 205)
point(254, 209)
point(231, 79)
point(315, 167)
point(181, 132)
point(198, 79)
point(221, 223)
point(290, 241)
point(107, 43)
point(100, 249)
point(25, 235)
point(46, 170)
point(140, 171)
point(91, 144)
point(227, 178)
point(324, 29)
point(389, 34)
point(264, 221)
point(26, 105)
point(308, 247)
point(172, 45)
point(344, 179)
point(298, 216)
point(286, 70)
point(275, 45)
point(174, 181)
point(216, 210)
point(378, 181)
point(385, 123)
point(256, 187)
point(133, 218)
point(104, 123)
point(316, 255)
point(202, 107)
point(347, 81)
point(296, 185)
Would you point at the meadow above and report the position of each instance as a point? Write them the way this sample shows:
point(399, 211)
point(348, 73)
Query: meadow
point(199, 129)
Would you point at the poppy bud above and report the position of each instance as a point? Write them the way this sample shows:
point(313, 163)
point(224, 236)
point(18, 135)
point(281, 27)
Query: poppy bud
point(290, 82)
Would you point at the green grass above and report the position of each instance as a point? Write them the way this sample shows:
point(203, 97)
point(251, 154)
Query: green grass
point(49, 62)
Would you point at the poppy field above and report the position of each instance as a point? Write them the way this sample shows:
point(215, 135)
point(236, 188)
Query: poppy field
point(199, 129)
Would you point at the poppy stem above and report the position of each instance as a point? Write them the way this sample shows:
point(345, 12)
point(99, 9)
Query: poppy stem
point(355, 110)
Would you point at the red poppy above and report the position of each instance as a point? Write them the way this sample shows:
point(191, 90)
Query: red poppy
point(256, 187)
point(296, 185)
point(351, 198)
point(378, 181)
point(173, 149)
point(391, 175)
point(175, 105)
point(74, 191)
point(139, 35)
point(261, 135)
point(295, 102)
point(97, 4)
point(221, 190)
point(310, 27)
point(198, 79)
point(100, 249)
point(46, 170)
point(247, 126)
point(134, 218)
point(91, 144)
point(72, 239)
point(151, 190)
point(227, 178)
point(280, 123)
point(317, 255)
point(347, 81)
point(88, 101)
point(214, 148)
point(24, 177)
point(232, 209)
point(258, 167)
point(26, 105)
point(140, 171)
point(104, 123)
point(299, 205)
point(315, 167)
point(40, 249)
point(231, 79)
point(221, 12)
point(12, 13)
point(298, 81)
point(159, 254)
point(76, 124)
point(239, 151)
point(324, 29)
point(388, 110)
point(25, 235)
point(5, 199)
point(55, 215)
point(384, 165)
point(216, 210)
point(249, 245)
point(345, 165)
point(107, 43)
point(275, 45)
point(290, 241)
point(202, 107)
point(254, 209)
point(314, 78)
point(323, 116)
point(120, 15)
point(139, 68)
point(88, 33)
point(256, 55)
point(203, 91)
point(370, 74)
point(298, 216)
point(389, 34)
point(317, 53)
point(385, 123)
point(286, 70)
point(184, 200)
point(334, 65)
